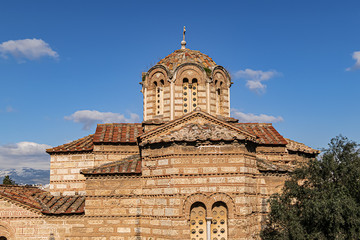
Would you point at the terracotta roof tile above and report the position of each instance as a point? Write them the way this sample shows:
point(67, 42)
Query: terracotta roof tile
point(84, 144)
point(128, 165)
point(300, 147)
point(117, 132)
point(105, 133)
point(175, 59)
point(265, 131)
point(41, 200)
point(63, 205)
point(23, 195)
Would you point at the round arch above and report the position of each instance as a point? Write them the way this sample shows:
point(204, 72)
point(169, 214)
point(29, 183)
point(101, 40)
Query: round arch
point(190, 200)
point(6, 232)
point(183, 71)
point(225, 198)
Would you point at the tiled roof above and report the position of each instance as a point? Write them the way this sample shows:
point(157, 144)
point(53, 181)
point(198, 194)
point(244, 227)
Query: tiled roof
point(186, 56)
point(128, 165)
point(21, 194)
point(41, 200)
point(265, 131)
point(300, 147)
point(81, 145)
point(105, 133)
point(58, 205)
point(117, 132)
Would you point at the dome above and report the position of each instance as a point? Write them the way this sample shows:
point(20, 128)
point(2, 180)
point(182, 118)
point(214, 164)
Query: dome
point(181, 56)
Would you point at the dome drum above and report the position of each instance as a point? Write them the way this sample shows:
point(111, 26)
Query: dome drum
point(183, 81)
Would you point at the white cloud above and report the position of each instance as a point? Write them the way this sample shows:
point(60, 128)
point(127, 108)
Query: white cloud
point(89, 118)
point(250, 117)
point(24, 154)
point(356, 57)
point(254, 78)
point(30, 49)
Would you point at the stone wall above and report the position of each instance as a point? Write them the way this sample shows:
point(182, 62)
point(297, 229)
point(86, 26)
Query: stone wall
point(65, 177)
point(157, 204)
point(177, 176)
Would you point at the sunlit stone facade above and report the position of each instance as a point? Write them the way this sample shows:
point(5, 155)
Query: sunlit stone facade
point(188, 171)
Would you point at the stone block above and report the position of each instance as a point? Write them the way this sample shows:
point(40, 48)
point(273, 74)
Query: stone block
point(123, 230)
point(172, 170)
point(191, 170)
point(163, 162)
point(106, 229)
point(210, 169)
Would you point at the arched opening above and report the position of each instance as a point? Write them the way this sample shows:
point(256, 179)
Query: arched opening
point(198, 221)
point(219, 228)
point(194, 95)
point(159, 97)
point(190, 98)
point(186, 96)
point(218, 101)
point(3, 238)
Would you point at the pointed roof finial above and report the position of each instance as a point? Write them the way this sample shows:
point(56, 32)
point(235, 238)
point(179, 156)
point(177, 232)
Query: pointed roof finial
point(183, 42)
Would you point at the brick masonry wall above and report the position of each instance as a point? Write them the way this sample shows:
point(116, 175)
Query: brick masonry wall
point(65, 177)
point(158, 203)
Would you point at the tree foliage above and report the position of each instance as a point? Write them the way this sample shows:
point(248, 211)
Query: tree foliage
point(320, 200)
point(8, 181)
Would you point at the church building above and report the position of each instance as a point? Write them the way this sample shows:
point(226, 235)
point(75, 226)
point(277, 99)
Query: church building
point(188, 171)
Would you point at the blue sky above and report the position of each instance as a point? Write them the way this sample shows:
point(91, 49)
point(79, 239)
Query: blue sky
point(295, 63)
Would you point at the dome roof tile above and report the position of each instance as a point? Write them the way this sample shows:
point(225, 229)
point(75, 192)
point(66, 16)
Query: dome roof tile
point(178, 57)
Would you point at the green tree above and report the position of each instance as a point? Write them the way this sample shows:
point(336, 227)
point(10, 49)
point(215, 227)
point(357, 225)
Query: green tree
point(320, 200)
point(8, 181)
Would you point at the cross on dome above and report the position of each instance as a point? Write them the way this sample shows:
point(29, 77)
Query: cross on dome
point(183, 42)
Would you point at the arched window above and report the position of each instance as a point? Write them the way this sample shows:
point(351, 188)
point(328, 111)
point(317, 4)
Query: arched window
point(186, 96)
point(159, 97)
point(218, 100)
point(198, 221)
point(219, 97)
point(190, 98)
point(219, 221)
point(194, 94)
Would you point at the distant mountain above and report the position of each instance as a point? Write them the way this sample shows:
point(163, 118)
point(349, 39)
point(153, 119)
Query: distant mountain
point(26, 176)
